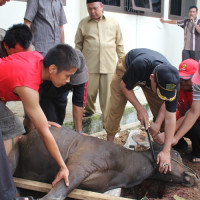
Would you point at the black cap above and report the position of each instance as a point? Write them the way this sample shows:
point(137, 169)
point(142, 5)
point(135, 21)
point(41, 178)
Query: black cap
point(92, 1)
point(167, 81)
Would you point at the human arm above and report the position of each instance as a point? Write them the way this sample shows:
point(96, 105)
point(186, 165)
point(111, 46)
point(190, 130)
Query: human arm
point(30, 100)
point(155, 127)
point(79, 39)
point(190, 118)
point(62, 34)
point(164, 156)
point(119, 43)
point(168, 21)
point(142, 114)
point(28, 23)
point(195, 25)
point(77, 116)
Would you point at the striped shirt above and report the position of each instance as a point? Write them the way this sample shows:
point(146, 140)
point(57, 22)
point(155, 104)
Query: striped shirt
point(196, 92)
point(46, 17)
point(191, 36)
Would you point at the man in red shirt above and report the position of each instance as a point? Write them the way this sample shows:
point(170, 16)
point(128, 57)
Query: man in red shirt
point(20, 78)
point(187, 68)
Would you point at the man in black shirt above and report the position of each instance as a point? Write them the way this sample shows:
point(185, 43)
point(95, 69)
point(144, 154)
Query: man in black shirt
point(159, 81)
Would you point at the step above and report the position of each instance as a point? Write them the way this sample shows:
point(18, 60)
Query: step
point(93, 124)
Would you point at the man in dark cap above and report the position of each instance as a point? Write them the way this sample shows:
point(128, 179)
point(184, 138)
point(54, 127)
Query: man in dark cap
point(99, 38)
point(159, 81)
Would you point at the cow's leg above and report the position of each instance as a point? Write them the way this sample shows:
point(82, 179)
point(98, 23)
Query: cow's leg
point(60, 191)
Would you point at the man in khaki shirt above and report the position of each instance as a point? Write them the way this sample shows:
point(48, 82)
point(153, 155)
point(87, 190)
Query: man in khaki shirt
point(99, 38)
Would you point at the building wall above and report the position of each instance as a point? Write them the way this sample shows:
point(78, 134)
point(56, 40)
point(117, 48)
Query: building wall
point(138, 31)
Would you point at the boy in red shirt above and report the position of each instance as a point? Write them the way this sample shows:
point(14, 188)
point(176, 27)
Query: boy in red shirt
point(20, 78)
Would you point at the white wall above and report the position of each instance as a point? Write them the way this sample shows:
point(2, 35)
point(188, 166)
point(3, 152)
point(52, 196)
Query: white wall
point(137, 31)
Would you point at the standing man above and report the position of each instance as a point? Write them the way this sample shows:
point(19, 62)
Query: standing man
point(100, 39)
point(191, 28)
point(159, 81)
point(45, 19)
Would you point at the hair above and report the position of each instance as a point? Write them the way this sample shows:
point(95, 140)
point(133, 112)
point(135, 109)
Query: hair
point(193, 7)
point(18, 34)
point(63, 56)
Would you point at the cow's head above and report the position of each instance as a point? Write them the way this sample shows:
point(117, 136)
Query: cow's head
point(180, 173)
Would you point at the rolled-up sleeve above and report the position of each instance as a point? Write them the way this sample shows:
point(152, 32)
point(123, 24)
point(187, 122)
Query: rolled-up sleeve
point(31, 10)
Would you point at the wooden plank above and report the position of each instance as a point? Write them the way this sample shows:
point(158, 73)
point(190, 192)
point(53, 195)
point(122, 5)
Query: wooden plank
point(76, 193)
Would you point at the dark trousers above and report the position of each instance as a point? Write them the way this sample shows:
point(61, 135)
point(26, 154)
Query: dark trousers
point(55, 108)
point(7, 187)
point(191, 54)
point(194, 135)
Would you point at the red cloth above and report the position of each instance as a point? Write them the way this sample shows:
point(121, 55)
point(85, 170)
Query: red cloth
point(184, 103)
point(20, 69)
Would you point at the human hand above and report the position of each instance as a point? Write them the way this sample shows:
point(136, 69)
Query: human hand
point(192, 19)
point(143, 117)
point(63, 173)
point(54, 124)
point(154, 129)
point(161, 20)
point(164, 161)
point(159, 138)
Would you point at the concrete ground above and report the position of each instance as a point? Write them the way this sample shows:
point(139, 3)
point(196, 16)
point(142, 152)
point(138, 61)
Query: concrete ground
point(17, 107)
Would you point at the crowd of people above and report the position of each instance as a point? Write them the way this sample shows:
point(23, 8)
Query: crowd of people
point(38, 68)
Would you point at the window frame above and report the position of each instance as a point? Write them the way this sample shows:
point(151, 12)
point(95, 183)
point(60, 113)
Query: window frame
point(110, 8)
point(141, 8)
point(175, 17)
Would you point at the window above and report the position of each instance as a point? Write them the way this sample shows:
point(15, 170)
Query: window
point(142, 5)
point(111, 2)
point(152, 8)
point(139, 7)
point(178, 9)
point(114, 5)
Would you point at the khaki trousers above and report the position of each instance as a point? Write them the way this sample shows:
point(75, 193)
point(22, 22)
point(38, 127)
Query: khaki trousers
point(101, 83)
point(118, 101)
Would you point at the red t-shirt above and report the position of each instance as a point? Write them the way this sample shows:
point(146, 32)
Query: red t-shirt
point(184, 103)
point(20, 69)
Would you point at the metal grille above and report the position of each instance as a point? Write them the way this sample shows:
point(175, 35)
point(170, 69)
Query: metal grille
point(111, 2)
point(156, 5)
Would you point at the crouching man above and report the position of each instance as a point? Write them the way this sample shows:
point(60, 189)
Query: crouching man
point(159, 81)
